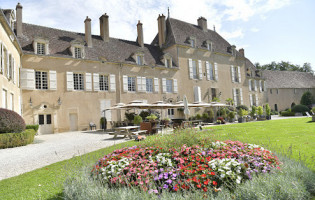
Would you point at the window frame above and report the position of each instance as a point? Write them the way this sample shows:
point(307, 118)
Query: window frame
point(139, 59)
point(195, 76)
point(192, 42)
point(148, 85)
point(41, 82)
point(131, 81)
point(77, 52)
point(169, 86)
point(78, 81)
point(41, 48)
point(103, 83)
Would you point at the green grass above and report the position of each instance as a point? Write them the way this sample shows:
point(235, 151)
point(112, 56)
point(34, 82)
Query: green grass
point(289, 135)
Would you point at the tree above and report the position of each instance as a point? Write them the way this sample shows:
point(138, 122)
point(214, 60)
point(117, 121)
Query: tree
point(307, 99)
point(285, 66)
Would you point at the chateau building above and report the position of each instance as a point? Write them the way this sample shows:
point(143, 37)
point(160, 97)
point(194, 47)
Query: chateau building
point(67, 79)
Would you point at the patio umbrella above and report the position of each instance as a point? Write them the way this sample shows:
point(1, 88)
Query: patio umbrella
point(186, 109)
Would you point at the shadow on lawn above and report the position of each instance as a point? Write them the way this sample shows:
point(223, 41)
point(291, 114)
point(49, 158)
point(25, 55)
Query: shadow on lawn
point(58, 196)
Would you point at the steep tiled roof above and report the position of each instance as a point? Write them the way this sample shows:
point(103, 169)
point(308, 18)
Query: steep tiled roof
point(178, 32)
point(289, 79)
point(116, 50)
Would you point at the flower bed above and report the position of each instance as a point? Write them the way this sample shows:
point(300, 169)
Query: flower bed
point(208, 168)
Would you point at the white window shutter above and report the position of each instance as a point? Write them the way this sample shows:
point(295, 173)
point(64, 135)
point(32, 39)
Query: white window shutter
point(241, 95)
point(197, 94)
point(251, 100)
point(257, 103)
point(125, 83)
point(260, 86)
point(13, 71)
point(239, 74)
point(200, 69)
point(28, 79)
point(139, 83)
point(144, 88)
point(1, 57)
point(216, 73)
point(208, 70)
point(8, 63)
point(96, 82)
point(112, 82)
point(255, 85)
point(232, 72)
point(35, 47)
point(234, 96)
point(250, 85)
point(175, 85)
point(53, 80)
point(46, 49)
point(265, 86)
point(70, 85)
point(156, 85)
point(164, 85)
point(105, 104)
point(88, 81)
point(191, 74)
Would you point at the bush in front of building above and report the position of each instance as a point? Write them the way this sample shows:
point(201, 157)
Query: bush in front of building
point(287, 113)
point(35, 127)
point(11, 122)
point(300, 108)
point(307, 99)
point(242, 107)
point(9, 140)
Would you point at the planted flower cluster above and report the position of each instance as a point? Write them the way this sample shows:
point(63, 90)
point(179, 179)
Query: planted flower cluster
point(207, 168)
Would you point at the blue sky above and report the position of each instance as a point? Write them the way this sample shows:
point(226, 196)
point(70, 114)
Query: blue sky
point(268, 30)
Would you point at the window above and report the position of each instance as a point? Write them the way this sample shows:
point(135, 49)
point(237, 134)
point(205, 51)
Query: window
point(254, 100)
point(103, 81)
point(276, 107)
point(41, 80)
point(48, 119)
point(194, 68)
point(193, 43)
point(139, 60)
point(10, 66)
point(149, 84)
point(4, 99)
point(294, 90)
point(41, 119)
point(277, 91)
point(11, 101)
point(5, 61)
point(236, 74)
point(209, 46)
point(168, 63)
point(77, 52)
point(213, 93)
point(253, 85)
point(169, 85)
point(78, 81)
point(262, 86)
point(270, 91)
point(40, 48)
point(238, 97)
point(211, 70)
point(131, 84)
point(170, 112)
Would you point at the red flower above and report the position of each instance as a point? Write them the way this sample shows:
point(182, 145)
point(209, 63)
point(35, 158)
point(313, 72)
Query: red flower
point(206, 182)
point(212, 173)
point(199, 186)
point(205, 189)
point(214, 183)
point(203, 175)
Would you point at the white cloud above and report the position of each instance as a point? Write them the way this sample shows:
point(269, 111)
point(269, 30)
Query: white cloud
point(234, 34)
point(254, 29)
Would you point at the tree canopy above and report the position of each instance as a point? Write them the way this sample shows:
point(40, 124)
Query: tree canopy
point(285, 66)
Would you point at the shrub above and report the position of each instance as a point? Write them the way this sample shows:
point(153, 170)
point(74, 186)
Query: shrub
point(130, 116)
point(306, 99)
point(231, 115)
point(9, 140)
point(211, 115)
point(205, 116)
point(313, 110)
point(144, 114)
point(253, 111)
point(137, 119)
point(35, 127)
point(260, 110)
point(242, 107)
point(198, 116)
point(267, 109)
point(242, 112)
point(11, 122)
point(287, 113)
point(300, 108)
point(151, 117)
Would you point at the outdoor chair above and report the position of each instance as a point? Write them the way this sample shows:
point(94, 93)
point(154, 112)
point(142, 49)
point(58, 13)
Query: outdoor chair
point(92, 125)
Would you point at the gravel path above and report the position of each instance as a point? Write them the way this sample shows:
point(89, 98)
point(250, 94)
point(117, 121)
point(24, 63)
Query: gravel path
point(48, 149)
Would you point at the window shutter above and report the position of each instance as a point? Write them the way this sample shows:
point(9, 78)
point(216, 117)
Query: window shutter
point(144, 88)
point(88, 81)
point(52, 80)
point(260, 86)
point(197, 94)
point(232, 71)
point(190, 68)
point(105, 104)
point(125, 83)
point(257, 102)
point(234, 96)
point(164, 85)
point(112, 82)
point(251, 100)
point(46, 49)
point(239, 74)
point(175, 85)
point(35, 47)
point(96, 82)
point(8, 63)
point(70, 85)
point(255, 85)
point(265, 86)
point(156, 85)
point(1, 58)
point(241, 95)
point(250, 85)
point(13, 71)
point(139, 83)
point(28, 79)
point(200, 69)
point(208, 70)
point(216, 73)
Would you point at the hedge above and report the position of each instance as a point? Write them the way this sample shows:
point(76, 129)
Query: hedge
point(9, 140)
point(287, 113)
point(34, 127)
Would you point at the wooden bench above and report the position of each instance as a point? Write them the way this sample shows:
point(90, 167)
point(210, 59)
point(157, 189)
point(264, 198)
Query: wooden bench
point(139, 132)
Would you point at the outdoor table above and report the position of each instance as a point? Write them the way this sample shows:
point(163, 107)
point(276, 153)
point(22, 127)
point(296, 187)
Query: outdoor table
point(127, 131)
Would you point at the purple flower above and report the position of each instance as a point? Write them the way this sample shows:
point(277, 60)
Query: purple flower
point(203, 153)
point(156, 178)
point(160, 176)
point(161, 170)
point(165, 186)
point(174, 175)
point(169, 181)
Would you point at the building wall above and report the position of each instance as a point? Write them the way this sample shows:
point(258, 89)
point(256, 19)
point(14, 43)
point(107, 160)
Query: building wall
point(10, 85)
point(286, 96)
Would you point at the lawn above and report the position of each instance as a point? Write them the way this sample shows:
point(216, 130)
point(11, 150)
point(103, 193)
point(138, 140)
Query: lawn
point(289, 135)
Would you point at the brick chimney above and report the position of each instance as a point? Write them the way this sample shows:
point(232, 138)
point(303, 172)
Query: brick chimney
point(161, 29)
point(202, 23)
point(104, 30)
point(19, 29)
point(88, 35)
point(140, 34)
point(242, 52)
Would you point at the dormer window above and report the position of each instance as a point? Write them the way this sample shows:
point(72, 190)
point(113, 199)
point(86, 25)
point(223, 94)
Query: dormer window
point(77, 52)
point(139, 59)
point(40, 48)
point(167, 60)
point(208, 44)
point(193, 43)
point(168, 63)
